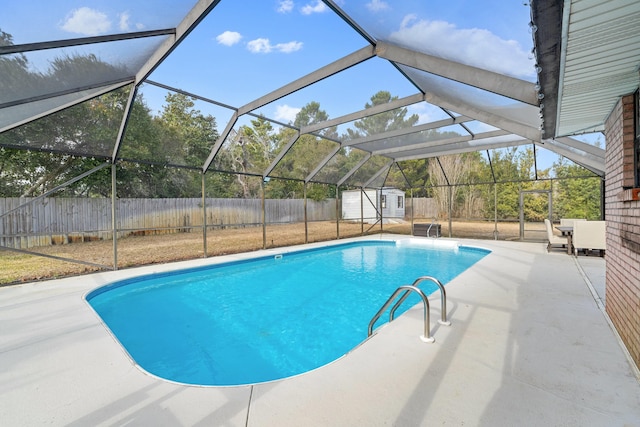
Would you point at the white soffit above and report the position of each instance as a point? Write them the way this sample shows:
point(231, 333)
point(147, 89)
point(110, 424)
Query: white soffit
point(600, 59)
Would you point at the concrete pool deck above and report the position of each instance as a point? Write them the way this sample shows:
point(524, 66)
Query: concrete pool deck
point(529, 344)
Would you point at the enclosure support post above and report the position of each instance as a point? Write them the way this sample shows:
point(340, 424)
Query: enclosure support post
point(411, 193)
point(450, 208)
point(306, 227)
point(381, 209)
point(361, 212)
point(495, 211)
point(602, 203)
point(114, 221)
point(521, 216)
point(204, 217)
point(337, 212)
point(264, 218)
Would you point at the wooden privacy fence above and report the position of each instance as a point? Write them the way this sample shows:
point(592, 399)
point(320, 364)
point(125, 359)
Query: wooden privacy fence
point(423, 207)
point(55, 220)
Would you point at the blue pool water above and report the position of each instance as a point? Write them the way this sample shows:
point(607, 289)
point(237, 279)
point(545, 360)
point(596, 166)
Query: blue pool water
point(269, 318)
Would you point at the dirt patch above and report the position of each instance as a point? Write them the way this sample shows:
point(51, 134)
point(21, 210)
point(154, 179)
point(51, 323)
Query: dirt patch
point(145, 250)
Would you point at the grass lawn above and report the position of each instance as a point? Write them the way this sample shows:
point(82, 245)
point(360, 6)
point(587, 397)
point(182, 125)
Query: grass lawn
point(143, 250)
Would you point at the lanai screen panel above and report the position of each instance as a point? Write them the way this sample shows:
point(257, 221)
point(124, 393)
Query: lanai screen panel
point(15, 115)
point(88, 129)
point(50, 72)
point(179, 131)
point(453, 30)
point(396, 145)
point(243, 154)
point(54, 66)
point(453, 93)
point(42, 20)
point(369, 171)
point(303, 157)
point(339, 165)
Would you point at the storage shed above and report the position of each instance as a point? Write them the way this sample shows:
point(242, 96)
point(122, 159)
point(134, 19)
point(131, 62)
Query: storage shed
point(389, 200)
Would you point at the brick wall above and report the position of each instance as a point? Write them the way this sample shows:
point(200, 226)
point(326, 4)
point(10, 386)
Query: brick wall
point(623, 228)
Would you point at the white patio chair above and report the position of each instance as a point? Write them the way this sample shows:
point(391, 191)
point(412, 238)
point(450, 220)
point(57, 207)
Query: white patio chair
point(553, 239)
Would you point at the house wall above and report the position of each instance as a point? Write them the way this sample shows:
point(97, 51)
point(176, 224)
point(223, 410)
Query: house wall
point(623, 228)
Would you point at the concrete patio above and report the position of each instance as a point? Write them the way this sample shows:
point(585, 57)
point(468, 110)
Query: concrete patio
point(529, 344)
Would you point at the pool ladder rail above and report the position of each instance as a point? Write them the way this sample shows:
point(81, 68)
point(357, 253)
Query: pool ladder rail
point(406, 290)
point(433, 222)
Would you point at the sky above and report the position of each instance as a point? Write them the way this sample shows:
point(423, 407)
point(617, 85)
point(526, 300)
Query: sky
point(245, 49)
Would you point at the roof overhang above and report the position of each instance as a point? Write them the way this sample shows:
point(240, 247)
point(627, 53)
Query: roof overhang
point(588, 52)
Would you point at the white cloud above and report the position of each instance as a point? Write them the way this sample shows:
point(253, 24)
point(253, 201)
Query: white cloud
point(377, 5)
point(427, 113)
point(124, 21)
point(318, 7)
point(285, 6)
point(259, 46)
point(472, 46)
point(262, 45)
point(288, 47)
point(86, 21)
point(286, 114)
point(229, 38)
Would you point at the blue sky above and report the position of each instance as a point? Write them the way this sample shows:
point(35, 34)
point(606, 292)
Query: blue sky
point(247, 48)
point(251, 54)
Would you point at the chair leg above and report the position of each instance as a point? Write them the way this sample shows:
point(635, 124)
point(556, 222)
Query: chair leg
point(549, 247)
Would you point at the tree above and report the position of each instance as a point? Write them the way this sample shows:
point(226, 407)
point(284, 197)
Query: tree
point(576, 197)
point(377, 124)
point(447, 171)
point(305, 154)
point(382, 122)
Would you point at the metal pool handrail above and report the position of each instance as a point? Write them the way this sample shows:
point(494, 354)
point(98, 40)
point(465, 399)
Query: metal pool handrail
point(407, 288)
point(443, 300)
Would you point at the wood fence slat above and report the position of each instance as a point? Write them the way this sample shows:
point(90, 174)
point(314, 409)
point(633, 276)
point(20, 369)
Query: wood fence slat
point(57, 220)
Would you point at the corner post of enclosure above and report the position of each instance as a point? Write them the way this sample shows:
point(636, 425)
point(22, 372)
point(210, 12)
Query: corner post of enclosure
point(337, 212)
point(264, 217)
point(602, 201)
point(114, 222)
point(450, 207)
point(204, 217)
point(306, 226)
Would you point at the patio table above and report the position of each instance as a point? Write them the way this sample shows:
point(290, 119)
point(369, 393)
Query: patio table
point(567, 230)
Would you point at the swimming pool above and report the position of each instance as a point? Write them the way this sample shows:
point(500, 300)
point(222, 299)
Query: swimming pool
point(270, 317)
